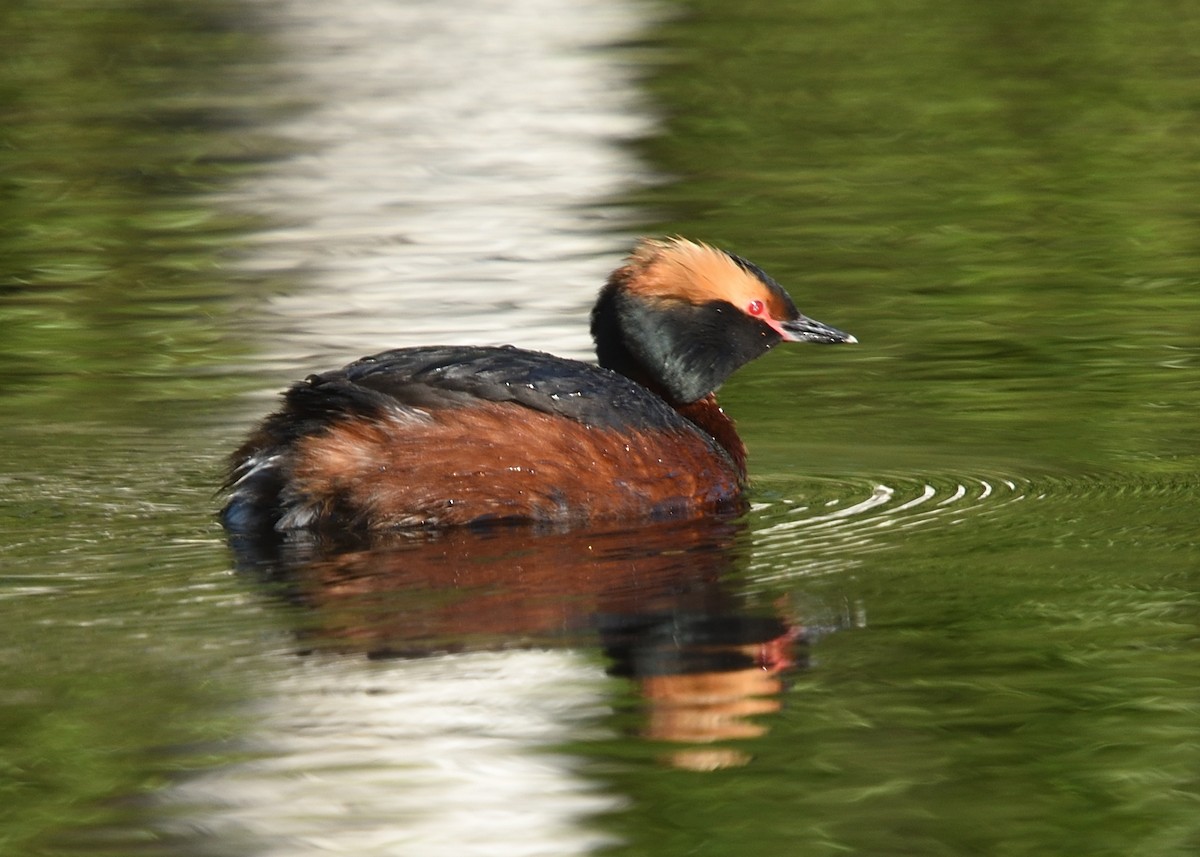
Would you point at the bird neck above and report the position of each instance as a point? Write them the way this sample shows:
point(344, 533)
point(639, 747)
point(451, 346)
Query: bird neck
point(681, 350)
point(708, 416)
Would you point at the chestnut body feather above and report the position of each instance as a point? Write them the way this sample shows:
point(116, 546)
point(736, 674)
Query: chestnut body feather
point(450, 435)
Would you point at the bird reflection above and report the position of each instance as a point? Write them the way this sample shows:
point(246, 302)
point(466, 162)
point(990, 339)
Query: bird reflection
point(656, 599)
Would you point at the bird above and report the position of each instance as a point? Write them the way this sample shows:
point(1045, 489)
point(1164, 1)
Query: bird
point(439, 436)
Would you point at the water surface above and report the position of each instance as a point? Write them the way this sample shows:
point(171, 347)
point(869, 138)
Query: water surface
point(960, 614)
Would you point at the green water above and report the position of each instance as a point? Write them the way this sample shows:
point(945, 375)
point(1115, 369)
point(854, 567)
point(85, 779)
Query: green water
point(984, 513)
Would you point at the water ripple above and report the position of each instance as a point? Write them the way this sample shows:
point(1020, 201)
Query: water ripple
point(843, 520)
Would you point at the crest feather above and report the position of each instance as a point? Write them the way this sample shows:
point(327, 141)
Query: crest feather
point(699, 273)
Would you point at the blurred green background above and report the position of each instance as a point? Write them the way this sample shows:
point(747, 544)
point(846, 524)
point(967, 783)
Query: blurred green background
point(1000, 200)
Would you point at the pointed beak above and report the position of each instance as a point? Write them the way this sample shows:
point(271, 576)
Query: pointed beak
point(804, 329)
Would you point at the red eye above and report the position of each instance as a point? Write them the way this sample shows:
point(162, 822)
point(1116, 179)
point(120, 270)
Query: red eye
point(755, 307)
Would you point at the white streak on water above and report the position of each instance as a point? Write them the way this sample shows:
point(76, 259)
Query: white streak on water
point(959, 493)
point(441, 756)
point(456, 161)
point(452, 187)
point(879, 496)
point(839, 541)
point(927, 492)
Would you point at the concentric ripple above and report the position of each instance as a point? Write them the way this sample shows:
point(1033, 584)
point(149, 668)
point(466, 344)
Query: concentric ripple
point(835, 523)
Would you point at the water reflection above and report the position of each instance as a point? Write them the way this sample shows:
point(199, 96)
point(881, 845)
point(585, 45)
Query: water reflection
point(656, 600)
point(442, 677)
point(455, 164)
point(454, 755)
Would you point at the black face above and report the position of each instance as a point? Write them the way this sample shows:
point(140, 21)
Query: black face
point(683, 350)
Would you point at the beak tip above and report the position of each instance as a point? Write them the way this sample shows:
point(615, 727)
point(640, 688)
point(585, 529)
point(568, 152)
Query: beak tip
point(804, 329)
